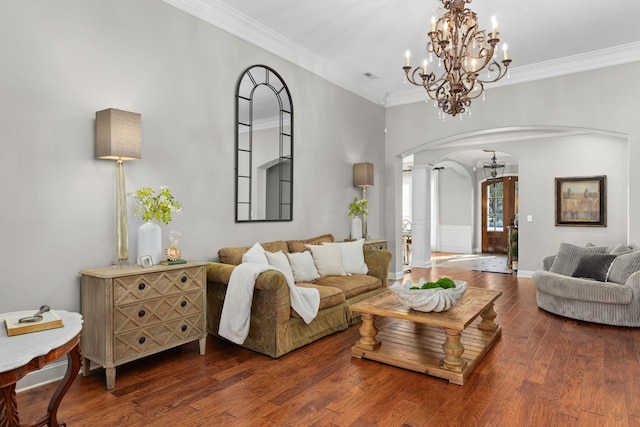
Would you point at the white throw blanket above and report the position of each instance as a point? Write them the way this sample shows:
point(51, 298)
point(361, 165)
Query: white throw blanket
point(236, 310)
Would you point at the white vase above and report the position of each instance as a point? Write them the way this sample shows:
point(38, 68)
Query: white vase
point(150, 242)
point(356, 228)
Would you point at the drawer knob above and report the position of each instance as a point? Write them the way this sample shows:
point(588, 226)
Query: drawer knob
point(183, 304)
point(183, 279)
point(141, 313)
point(184, 328)
point(141, 286)
point(141, 340)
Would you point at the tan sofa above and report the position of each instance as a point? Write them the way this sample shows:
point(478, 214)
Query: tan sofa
point(275, 329)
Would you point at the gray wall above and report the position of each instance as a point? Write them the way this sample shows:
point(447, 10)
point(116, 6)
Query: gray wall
point(593, 106)
point(64, 60)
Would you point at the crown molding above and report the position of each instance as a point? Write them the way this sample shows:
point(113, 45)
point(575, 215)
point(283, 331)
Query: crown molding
point(618, 55)
point(217, 13)
point(230, 20)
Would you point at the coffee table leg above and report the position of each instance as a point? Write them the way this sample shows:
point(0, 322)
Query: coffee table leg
point(368, 333)
point(453, 349)
point(488, 319)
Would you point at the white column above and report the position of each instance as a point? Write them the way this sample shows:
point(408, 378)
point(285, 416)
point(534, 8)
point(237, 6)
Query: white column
point(435, 209)
point(421, 215)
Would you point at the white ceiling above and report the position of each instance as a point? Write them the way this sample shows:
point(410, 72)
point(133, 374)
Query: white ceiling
point(341, 40)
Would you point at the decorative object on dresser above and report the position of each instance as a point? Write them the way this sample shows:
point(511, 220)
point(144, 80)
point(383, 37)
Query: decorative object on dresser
point(137, 312)
point(119, 137)
point(151, 206)
point(357, 209)
point(363, 177)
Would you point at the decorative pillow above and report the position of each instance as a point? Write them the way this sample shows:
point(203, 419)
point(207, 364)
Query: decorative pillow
point(302, 266)
point(256, 255)
point(328, 259)
point(569, 255)
point(625, 266)
point(621, 249)
point(594, 266)
point(352, 256)
point(280, 261)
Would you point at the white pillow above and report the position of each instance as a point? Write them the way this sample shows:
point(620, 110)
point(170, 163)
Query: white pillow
point(302, 266)
point(280, 261)
point(352, 256)
point(256, 255)
point(328, 259)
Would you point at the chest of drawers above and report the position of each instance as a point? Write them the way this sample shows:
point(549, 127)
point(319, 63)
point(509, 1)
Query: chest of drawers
point(136, 312)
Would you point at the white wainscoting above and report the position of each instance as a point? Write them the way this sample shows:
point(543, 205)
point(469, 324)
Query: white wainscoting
point(455, 238)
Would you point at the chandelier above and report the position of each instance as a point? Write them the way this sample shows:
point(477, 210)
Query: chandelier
point(465, 51)
point(493, 170)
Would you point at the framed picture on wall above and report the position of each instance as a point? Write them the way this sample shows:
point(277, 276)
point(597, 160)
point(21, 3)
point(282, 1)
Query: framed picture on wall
point(581, 201)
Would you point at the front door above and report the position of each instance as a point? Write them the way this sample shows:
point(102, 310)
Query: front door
point(499, 209)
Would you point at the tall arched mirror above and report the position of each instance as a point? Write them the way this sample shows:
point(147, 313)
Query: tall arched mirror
point(264, 147)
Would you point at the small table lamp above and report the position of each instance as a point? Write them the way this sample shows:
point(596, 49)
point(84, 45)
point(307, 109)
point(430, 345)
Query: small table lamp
point(363, 177)
point(119, 138)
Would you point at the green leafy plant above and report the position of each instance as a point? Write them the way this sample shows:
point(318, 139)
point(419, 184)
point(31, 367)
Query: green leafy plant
point(150, 205)
point(358, 207)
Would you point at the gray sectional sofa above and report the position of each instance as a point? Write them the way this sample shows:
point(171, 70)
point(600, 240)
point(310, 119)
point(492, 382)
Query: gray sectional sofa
point(594, 283)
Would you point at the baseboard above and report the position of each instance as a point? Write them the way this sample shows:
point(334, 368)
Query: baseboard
point(395, 275)
point(50, 373)
point(524, 273)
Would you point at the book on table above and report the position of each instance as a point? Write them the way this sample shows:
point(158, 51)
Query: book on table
point(50, 320)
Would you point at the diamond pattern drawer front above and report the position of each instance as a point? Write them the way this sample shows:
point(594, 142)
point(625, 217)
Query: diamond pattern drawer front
point(148, 312)
point(134, 344)
point(152, 285)
point(135, 312)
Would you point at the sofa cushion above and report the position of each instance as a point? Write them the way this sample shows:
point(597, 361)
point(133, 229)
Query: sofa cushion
point(569, 255)
point(353, 285)
point(329, 296)
point(301, 245)
point(304, 270)
point(621, 249)
point(328, 260)
point(280, 261)
point(234, 255)
point(574, 288)
point(352, 256)
point(255, 255)
point(594, 266)
point(624, 266)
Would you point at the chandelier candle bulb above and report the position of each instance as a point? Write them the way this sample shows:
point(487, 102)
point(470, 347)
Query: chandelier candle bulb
point(407, 56)
point(494, 24)
point(424, 67)
point(433, 24)
point(504, 49)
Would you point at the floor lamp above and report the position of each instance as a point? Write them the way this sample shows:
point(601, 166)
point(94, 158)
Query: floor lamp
point(363, 177)
point(119, 138)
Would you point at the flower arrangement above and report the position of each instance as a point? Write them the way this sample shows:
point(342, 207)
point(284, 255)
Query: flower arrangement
point(155, 206)
point(358, 207)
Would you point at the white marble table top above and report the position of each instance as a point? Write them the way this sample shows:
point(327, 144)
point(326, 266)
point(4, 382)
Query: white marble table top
point(18, 350)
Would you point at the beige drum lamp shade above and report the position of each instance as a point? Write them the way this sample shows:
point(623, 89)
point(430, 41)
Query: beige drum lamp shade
point(363, 174)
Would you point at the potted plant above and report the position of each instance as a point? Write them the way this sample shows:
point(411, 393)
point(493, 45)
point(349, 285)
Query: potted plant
point(151, 206)
point(357, 209)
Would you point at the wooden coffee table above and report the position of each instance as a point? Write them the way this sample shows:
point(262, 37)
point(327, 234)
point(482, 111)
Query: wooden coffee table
point(414, 340)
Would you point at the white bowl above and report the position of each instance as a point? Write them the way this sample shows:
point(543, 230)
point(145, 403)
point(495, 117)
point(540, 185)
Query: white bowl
point(426, 300)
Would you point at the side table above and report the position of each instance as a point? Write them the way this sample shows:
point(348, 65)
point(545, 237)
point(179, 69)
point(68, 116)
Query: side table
point(22, 354)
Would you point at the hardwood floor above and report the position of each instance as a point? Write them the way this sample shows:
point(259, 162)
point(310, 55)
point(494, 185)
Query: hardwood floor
point(544, 371)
